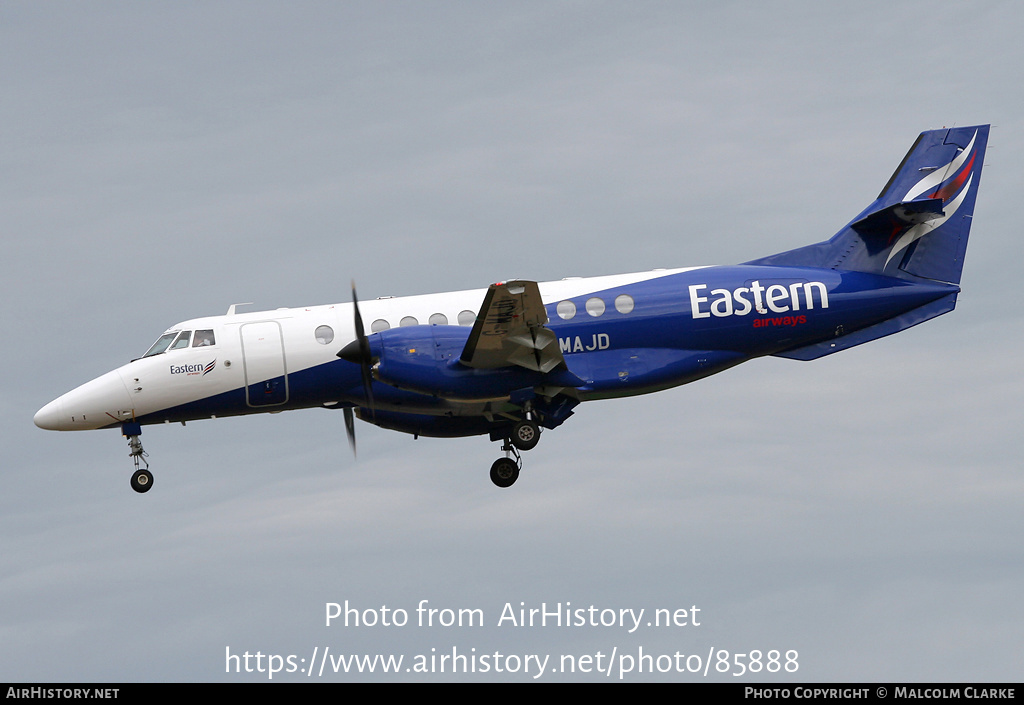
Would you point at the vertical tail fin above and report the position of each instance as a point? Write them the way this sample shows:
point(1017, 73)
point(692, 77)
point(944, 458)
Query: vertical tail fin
point(919, 224)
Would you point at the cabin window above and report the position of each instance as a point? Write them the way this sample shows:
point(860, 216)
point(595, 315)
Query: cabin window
point(324, 334)
point(409, 321)
point(595, 306)
point(624, 303)
point(203, 338)
point(467, 318)
point(566, 309)
point(438, 319)
point(379, 325)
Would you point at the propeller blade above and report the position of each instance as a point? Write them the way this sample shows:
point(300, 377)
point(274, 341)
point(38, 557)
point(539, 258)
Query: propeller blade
point(364, 343)
point(358, 352)
point(350, 428)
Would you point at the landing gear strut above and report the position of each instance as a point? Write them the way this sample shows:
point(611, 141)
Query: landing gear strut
point(142, 479)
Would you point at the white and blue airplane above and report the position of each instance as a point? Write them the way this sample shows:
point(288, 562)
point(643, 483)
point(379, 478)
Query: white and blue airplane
point(519, 356)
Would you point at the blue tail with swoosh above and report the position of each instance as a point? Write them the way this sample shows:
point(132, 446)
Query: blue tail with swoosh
point(918, 226)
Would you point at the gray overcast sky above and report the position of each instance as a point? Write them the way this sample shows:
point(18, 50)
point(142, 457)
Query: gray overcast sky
point(164, 160)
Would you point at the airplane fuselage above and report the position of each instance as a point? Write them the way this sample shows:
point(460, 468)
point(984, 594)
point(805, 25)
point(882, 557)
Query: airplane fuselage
point(621, 335)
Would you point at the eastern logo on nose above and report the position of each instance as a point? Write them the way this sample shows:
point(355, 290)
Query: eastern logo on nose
point(194, 370)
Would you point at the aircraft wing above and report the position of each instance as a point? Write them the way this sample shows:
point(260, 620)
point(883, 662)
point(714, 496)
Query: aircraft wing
point(510, 330)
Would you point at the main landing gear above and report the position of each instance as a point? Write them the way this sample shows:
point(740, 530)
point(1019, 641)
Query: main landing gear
point(525, 436)
point(142, 478)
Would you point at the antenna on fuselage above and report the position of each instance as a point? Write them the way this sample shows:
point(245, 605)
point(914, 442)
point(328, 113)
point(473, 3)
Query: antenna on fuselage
point(231, 308)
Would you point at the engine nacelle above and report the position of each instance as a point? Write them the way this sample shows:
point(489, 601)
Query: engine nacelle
point(425, 359)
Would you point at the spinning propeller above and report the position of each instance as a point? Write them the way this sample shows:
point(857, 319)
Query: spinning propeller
point(358, 352)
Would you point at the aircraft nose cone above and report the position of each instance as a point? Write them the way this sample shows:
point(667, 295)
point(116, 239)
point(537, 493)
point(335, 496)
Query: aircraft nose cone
point(50, 417)
point(102, 402)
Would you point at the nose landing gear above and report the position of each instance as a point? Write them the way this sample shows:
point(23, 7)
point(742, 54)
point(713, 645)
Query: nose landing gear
point(142, 478)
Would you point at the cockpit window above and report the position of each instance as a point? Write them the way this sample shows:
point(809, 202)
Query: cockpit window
point(182, 341)
point(161, 345)
point(203, 338)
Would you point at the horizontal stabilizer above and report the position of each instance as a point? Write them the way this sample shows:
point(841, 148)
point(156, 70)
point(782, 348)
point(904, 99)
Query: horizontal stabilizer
point(899, 217)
